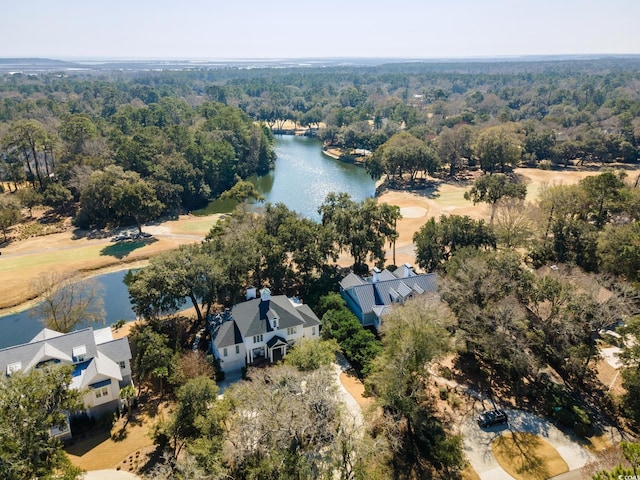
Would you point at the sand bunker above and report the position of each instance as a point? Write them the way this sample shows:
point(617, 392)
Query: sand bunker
point(413, 212)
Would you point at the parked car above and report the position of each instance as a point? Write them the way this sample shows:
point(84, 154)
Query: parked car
point(492, 417)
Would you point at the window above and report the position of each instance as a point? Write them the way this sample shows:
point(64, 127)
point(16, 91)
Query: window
point(79, 353)
point(123, 364)
point(237, 349)
point(224, 351)
point(102, 392)
point(313, 331)
point(13, 367)
point(291, 331)
point(257, 338)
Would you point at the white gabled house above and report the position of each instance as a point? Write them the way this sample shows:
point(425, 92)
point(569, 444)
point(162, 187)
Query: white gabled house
point(260, 330)
point(102, 364)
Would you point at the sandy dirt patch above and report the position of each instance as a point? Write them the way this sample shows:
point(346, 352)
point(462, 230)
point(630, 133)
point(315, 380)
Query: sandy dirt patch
point(527, 457)
point(447, 198)
point(355, 387)
point(109, 450)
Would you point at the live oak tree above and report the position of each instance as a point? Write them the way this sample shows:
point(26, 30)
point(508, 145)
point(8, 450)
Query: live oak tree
point(9, 214)
point(454, 145)
point(404, 153)
point(496, 148)
point(173, 278)
point(283, 424)
point(437, 240)
point(114, 197)
point(491, 189)
point(154, 356)
point(31, 404)
point(488, 292)
point(413, 336)
point(363, 228)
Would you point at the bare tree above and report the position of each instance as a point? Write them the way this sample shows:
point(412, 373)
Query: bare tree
point(283, 420)
point(66, 303)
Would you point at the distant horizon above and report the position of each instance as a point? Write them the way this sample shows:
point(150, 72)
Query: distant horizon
point(257, 30)
point(110, 58)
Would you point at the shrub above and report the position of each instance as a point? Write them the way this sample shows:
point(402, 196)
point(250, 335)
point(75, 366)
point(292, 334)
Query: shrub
point(544, 164)
point(443, 392)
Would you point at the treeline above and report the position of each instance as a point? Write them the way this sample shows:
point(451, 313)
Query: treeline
point(292, 255)
point(188, 136)
point(131, 163)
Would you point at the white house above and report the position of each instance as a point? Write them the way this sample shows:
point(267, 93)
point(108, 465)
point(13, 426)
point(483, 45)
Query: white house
point(261, 330)
point(102, 365)
point(369, 298)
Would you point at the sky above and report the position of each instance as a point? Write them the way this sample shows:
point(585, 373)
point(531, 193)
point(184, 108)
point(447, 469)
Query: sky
point(255, 29)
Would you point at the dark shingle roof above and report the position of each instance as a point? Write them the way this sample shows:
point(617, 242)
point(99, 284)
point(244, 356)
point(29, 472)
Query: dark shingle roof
point(228, 335)
point(246, 317)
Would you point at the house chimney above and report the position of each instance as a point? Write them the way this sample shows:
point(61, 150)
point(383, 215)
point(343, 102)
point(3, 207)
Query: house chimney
point(265, 302)
point(376, 274)
point(408, 270)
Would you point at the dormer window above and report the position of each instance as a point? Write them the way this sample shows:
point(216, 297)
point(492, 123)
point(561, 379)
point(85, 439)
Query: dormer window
point(79, 353)
point(13, 367)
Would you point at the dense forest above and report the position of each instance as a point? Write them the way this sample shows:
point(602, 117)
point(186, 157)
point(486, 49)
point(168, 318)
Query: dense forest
point(526, 298)
point(184, 137)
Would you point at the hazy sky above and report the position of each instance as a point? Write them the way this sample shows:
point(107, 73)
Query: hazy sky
point(215, 29)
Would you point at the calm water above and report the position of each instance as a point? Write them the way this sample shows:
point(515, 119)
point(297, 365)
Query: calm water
point(303, 176)
point(21, 327)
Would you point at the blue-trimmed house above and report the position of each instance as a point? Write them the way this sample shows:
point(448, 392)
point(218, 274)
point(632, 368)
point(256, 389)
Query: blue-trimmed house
point(369, 298)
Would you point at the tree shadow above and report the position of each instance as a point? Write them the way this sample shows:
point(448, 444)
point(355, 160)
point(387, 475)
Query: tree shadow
point(79, 234)
point(124, 248)
point(81, 444)
point(521, 450)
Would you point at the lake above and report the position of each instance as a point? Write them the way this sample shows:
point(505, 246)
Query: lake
point(302, 178)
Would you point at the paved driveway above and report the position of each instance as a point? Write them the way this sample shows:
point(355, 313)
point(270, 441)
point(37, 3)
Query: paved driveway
point(477, 442)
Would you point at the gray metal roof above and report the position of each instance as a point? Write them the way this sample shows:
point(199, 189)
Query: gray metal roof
point(351, 280)
point(368, 295)
point(404, 271)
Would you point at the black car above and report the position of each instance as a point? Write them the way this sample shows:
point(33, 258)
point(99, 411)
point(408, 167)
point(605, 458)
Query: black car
point(492, 417)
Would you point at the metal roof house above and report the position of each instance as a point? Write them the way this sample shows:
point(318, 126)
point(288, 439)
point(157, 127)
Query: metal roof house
point(102, 365)
point(260, 330)
point(369, 298)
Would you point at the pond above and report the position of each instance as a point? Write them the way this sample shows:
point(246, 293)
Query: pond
point(21, 327)
point(302, 178)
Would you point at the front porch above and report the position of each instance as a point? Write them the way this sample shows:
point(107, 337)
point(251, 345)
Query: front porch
point(272, 352)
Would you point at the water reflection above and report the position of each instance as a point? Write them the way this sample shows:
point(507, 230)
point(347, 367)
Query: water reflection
point(302, 178)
